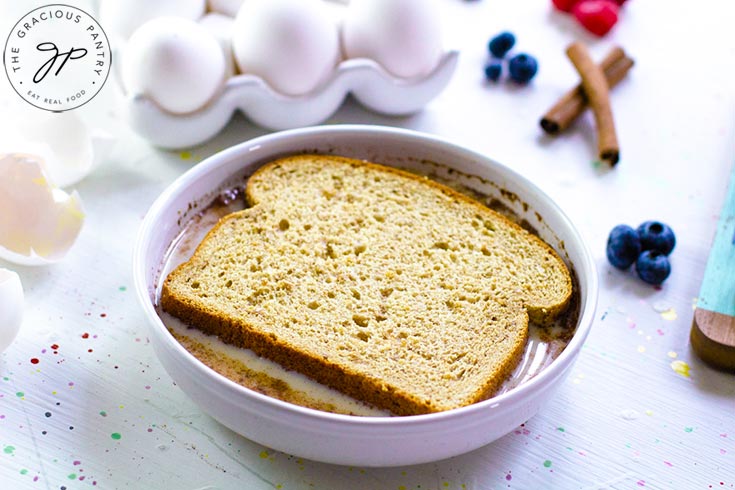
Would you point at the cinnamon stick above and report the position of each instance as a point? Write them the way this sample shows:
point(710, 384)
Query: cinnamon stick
point(615, 66)
point(597, 91)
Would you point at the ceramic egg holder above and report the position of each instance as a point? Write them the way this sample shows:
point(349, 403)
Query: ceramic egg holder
point(370, 84)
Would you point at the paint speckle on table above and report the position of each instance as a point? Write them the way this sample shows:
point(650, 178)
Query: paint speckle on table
point(669, 315)
point(672, 354)
point(8, 449)
point(508, 476)
point(116, 435)
point(689, 429)
point(681, 367)
point(547, 464)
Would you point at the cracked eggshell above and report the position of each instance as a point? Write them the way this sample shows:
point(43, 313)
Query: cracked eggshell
point(11, 307)
point(69, 149)
point(292, 44)
point(403, 36)
point(39, 222)
point(122, 17)
point(176, 62)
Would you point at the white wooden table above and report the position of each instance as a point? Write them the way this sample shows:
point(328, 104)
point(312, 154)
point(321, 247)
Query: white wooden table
point(639, 409)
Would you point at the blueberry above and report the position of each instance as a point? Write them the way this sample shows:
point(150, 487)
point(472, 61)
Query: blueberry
point(623, 246)
point(522, 68)
point(657, 236)
point(493, 71)
point(653, 267)
point(501, 44)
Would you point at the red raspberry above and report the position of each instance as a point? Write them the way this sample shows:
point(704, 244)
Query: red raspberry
point(565, 5)
point(597, 16)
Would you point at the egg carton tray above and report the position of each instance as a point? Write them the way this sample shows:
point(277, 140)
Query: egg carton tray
point(368, 82)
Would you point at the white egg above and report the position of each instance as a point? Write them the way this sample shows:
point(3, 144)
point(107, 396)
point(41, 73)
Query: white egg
point(404, 36)
point(11, 307)
point(292, 44)
point(120, 18)
point(40, 222)
point(175, 62)
point(226, 7)
point(221, 27)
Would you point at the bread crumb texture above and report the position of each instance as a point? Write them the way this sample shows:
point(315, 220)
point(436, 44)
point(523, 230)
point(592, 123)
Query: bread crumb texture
point(387, 286)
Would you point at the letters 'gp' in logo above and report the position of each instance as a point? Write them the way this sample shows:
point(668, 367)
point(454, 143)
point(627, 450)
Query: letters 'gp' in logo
point(57, 57)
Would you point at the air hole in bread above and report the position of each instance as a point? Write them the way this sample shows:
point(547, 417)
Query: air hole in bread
point(360, 320)
point(330, 251)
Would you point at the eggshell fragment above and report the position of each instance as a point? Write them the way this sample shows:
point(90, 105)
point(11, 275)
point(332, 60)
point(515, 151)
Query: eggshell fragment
point(292, 44)
point(176, 62)
point(39, 222)
point(11, 307)
point(120, 18)
point(69, 149)
point(403, 36)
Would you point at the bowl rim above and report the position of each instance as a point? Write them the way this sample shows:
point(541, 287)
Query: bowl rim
point(515, 395)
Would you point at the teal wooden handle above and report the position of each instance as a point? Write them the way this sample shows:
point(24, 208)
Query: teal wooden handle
point(718, 286)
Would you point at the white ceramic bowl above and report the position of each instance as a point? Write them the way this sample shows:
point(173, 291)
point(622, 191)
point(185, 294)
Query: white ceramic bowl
point(344, 439)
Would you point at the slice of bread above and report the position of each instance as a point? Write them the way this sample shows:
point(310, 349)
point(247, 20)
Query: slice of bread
point(387, 286)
